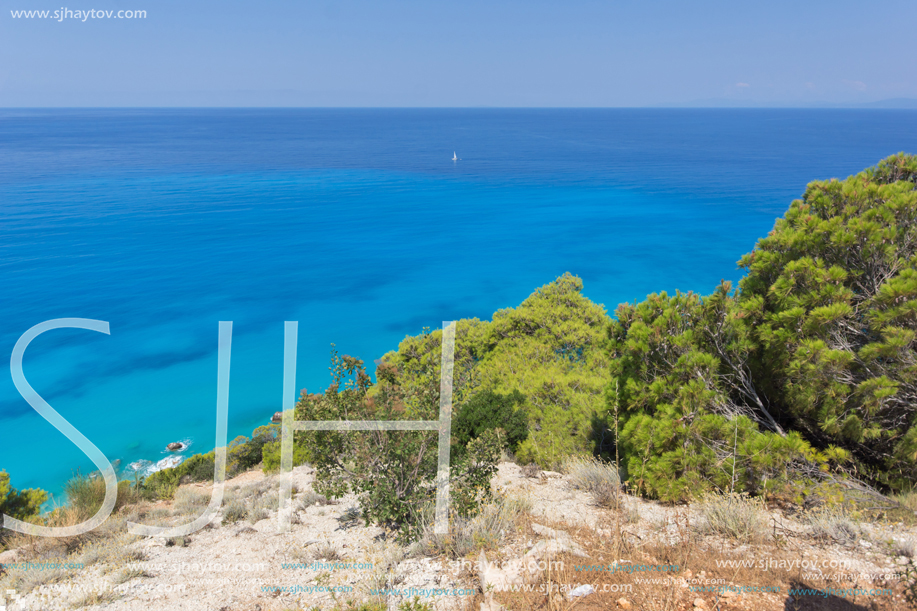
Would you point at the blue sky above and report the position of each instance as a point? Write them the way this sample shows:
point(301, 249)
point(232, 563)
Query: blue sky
point(467, 53)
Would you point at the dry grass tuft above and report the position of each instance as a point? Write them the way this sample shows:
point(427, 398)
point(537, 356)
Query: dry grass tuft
point(629, 510)
point(111, 550)
point(24, 580)
point(328, 552)
point(908, 499)
point(310, 498)
point(189, 502)
point(131, 573)
point(262, 507)
point(301, 554)
point(734, 516)
point(234, 511)
point(906, 548)
point(484, 531)
point(95, 598)
point(595, 476)
point(833, 525)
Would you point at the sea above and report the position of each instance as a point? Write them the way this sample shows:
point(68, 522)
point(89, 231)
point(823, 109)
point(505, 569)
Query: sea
point(358, 224)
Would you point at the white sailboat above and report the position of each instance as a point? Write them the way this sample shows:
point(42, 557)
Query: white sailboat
point(454, 156)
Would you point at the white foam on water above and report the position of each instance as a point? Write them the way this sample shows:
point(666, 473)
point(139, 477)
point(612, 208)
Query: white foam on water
point(166, 463)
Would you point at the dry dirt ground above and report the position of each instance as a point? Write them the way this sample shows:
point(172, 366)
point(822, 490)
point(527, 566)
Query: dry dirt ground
point(637, 556)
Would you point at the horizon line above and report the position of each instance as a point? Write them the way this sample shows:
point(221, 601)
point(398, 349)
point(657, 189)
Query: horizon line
point(867, 106)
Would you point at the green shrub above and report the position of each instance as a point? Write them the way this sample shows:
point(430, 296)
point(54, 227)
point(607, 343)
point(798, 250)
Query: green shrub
point(470, 475)
point(908, 499)
point(415, 605)
point(692, 419)
point(550, 349)
point(23, 505)
point(244, 453)
point(241, 455)
point(820, 336)
point(86, 493)
point(129, 493)
point(490, 410)
point(196, 468)
point(163, 483)
point(270, 455)
point(392, 472)
point(829, 300)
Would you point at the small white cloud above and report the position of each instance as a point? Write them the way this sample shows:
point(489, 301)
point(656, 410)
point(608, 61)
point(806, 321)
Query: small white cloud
point(742, 85)
point(858, 85)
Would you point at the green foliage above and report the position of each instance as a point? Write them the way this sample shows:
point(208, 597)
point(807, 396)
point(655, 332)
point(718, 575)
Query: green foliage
point(831, 301)
point(550, 349)
point(819, 338)
point(393, 472)
point(415, 605)
point(129, 493)
point(692, 419)
point(270, 455)
point(489, 410)
point(23, 505)
point(244, 453)
point(85, 493)
point(196, 468)
point(241, 455)
point(471, 473)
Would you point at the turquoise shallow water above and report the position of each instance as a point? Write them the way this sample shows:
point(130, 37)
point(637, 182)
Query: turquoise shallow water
point(357, 224)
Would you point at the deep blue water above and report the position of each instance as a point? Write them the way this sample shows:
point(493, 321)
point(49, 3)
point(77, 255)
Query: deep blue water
point(357, 224)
